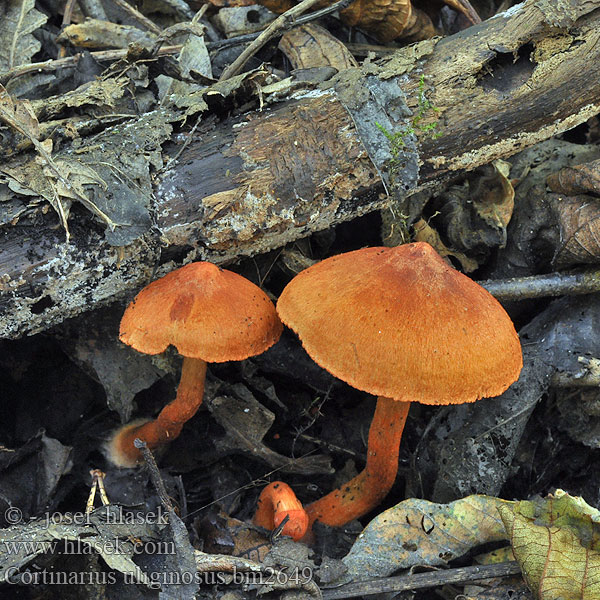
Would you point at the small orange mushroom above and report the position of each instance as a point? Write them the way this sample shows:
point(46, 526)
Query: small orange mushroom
point(276, 502)
point(402, 324)
point(210, 315)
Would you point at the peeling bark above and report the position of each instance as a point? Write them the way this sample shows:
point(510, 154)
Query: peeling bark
point(260, 180)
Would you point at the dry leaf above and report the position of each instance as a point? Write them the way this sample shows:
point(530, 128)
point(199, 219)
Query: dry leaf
point(557, 543)
point(425, 233)
point(384, 19)
point(194, 63)
point(19, 114)
point(101, 93)
point(38, 177)
point(579, 222)
point(494, 196)
point(419, 532)
point(246, 422)
point(313, 46)
point(476, 213)
point(93, 33)
point(240, 20)
point(19, 20)
point(580, 179)
point(222, 534)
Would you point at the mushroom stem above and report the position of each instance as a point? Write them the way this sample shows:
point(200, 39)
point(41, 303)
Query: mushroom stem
point(276, 502)
point(365, 491)
point(173, 416)
point(170, 420)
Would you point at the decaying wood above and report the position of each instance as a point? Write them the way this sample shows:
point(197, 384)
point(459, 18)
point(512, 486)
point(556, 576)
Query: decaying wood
point(260, 180)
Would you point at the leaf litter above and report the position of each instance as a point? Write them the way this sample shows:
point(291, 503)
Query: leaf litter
point(468, 452)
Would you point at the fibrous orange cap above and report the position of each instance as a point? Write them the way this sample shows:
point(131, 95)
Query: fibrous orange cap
point(401, 323)
point(205, 312)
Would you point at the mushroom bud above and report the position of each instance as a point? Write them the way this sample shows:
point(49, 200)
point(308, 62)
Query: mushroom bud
point(276, 502)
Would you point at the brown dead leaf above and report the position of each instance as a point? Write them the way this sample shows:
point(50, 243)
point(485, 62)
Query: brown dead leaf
point(311, 46)
point(58, 181)
point(94, 33)
point(579, 222)
point(580, 179)
point(18, 114)
point(494, 196)
point(384, 19)
point(425, 233)
point(222, 534)
point(476, 213)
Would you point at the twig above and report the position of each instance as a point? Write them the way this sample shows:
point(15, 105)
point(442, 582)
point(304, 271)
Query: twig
point(323, 12)
point(138, 16)
point(540, 286)
point(313, 16)
point(276, 533)
point(281, 23)
point(422, 580)
point(92, 9)
point(465, 7)
point(157, 480)
point(66, 20)
point(71, 61)
point(104, 55)
point(329, 446)
point(258, 573)
point(97, 484)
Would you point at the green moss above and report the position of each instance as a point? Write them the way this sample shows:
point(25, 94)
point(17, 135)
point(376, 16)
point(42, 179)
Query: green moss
point(396, 223)
point(397, 139)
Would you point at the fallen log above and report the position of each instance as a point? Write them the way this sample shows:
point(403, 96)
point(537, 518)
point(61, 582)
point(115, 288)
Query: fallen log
point(324, 155)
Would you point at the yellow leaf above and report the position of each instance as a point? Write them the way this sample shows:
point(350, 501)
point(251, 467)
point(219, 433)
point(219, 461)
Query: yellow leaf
point(557, 543)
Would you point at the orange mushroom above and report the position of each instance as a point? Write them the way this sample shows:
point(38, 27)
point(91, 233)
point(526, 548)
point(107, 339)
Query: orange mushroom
point(276, 502)
point(402, 324)
point(210, 315)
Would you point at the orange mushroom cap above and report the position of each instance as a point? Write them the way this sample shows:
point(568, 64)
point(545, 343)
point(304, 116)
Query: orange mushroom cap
point(205, 312)
point(401, 323)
